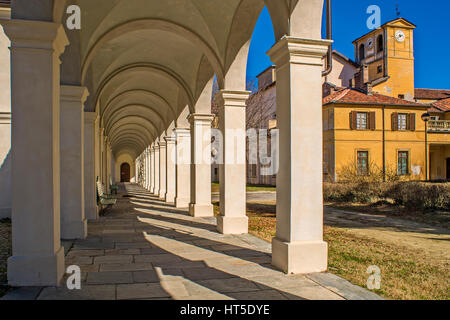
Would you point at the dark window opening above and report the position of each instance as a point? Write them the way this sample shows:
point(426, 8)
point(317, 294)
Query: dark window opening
point(380, 43)
point(362, 52)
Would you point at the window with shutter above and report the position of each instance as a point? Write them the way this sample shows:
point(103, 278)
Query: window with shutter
point(361, 120)
point(412, 121)
point(353, 120)
point(394, 120)
point(372, 123)
point(402, 122)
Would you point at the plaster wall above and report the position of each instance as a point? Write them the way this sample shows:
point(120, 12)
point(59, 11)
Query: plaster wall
point(119, 161)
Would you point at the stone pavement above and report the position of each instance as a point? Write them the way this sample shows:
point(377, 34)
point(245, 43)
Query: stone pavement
point(145, 249)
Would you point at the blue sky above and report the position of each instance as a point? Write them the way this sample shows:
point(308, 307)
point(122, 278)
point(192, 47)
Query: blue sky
point(432, 41)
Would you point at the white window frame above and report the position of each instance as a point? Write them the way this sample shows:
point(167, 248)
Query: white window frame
point(361, 120)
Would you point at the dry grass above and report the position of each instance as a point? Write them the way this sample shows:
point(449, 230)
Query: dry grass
point(5, 252)
point(435, 218)
point(407, 274)
point(251, 188)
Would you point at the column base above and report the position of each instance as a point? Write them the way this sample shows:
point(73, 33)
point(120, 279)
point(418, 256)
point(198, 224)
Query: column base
point(182, 203)
point(36, 271)
point(91, 213)
point(169, 198)
point(74, 230)
point(232, 225)
point(201, 210)
point(5, 213)
point(300, 256)
point(162, 196)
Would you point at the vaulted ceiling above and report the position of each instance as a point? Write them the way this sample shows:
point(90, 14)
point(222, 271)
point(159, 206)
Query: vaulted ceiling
point(145, 62)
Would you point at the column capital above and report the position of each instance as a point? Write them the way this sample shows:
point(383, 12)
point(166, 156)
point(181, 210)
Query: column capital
point(231, 98)
point(74, 94)
point(182, 132)
point(170, 139)
point(162, 144)
point(5, 117)
point(90, 117)
point(299, 51)
point(197, 117)
point(32, 35)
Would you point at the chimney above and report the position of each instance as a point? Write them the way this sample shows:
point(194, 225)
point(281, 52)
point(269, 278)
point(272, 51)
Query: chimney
point(365, 70)
point(369, 89)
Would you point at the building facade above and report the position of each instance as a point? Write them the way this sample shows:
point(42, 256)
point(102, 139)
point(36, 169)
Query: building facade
point(372, 113)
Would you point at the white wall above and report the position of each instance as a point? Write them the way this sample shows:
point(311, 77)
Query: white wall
point(5, 122)
point(343, 71)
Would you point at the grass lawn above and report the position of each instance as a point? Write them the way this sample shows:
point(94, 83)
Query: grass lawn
point(251, 188)
point(406, 273)
point(5, 252)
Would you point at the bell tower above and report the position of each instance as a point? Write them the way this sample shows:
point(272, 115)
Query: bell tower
point(386, 56)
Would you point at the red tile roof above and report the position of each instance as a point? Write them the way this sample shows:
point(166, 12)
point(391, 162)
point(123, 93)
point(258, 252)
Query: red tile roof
point(354, 96)
point(431, 94)
point(441, 106)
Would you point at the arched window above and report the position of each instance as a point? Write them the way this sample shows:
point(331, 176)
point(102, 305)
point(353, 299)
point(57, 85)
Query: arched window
point(380, 43)
point(362, 52)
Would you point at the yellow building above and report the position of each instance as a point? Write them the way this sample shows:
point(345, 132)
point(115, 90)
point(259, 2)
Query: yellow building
point(386, 56)
point(376, 127)
point(373, 134)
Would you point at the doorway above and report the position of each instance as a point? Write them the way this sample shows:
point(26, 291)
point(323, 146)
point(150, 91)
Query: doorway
point(125, 172)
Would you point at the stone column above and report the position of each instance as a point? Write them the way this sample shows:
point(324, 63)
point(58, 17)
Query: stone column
point(200, 205)
point(73, 221)
point(152, 169)
point(233, 178)
point(144, 183)
point(113, 167)
point(97, 151)
point(148, 176)
point(38, 258)
point(162, 170)
point(156, 162)
point(183, 167)
point(299, 246)
point(102, 156)
point(170, 170)
point(108, 166)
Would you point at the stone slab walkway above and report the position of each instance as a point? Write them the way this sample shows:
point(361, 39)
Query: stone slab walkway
point(145, 249)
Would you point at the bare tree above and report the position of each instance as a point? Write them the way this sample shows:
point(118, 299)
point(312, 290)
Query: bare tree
point(261, 107)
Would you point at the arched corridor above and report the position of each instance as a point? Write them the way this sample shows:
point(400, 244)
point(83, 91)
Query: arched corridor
point(146, 249)
point(134, 84)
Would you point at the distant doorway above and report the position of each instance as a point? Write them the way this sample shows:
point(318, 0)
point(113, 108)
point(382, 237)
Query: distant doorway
point(125, 172)
point(448, 168)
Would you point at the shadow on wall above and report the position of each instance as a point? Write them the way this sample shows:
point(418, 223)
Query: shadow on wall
point(5, 187)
